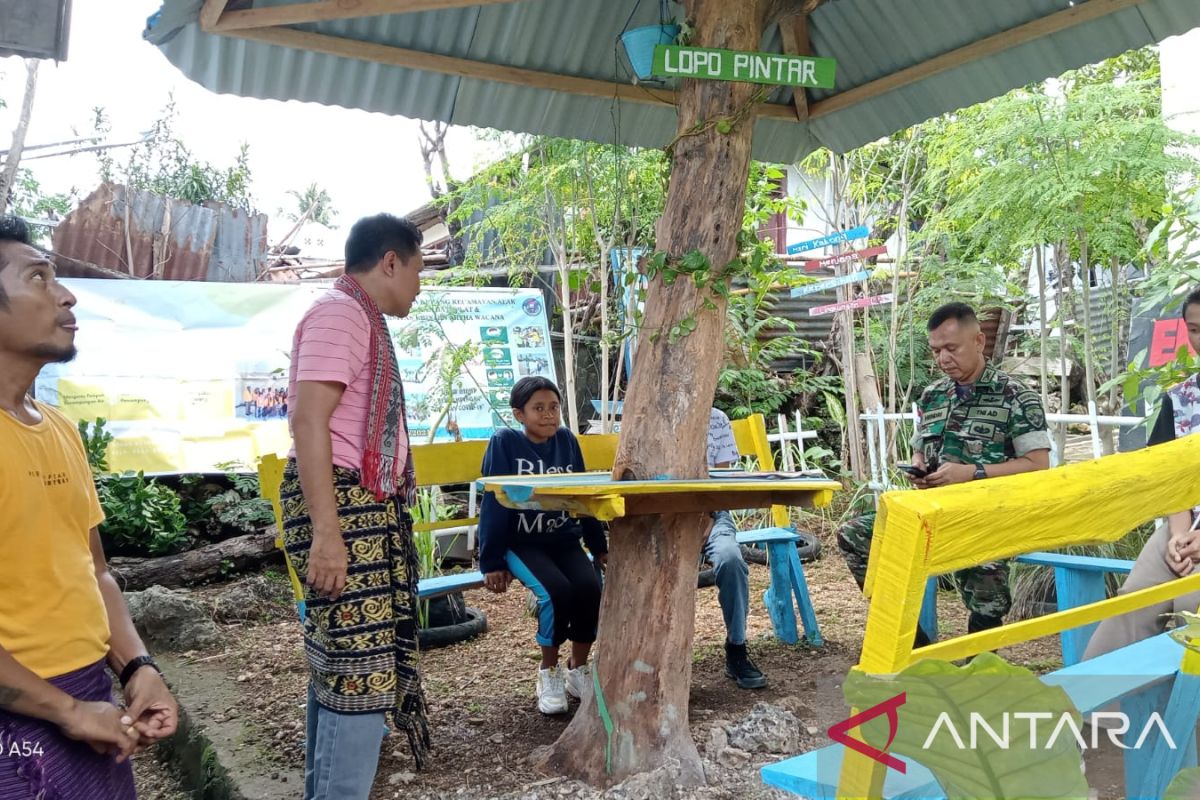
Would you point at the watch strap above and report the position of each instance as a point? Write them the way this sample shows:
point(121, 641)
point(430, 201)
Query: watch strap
point(134, 665)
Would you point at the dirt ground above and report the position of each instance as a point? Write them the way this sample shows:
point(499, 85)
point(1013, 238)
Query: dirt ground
point(482, 709)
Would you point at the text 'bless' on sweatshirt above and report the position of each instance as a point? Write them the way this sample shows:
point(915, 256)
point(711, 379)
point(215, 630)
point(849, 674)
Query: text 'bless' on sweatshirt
point(511, 452)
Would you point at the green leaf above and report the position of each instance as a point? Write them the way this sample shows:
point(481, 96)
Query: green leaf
point(944, 700)
point(724, 127)
point(694, 261)
point(1184, 786)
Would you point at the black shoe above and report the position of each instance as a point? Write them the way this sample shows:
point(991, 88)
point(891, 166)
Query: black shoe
point(977, 622)
point(739, 667)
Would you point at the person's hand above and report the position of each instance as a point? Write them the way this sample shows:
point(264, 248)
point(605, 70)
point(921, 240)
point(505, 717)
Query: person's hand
point(1183, 552)
point(949, 473)
point(327, 563)
point(103, 726)
point(497, 581)
point(154, 712)
point(602, 560)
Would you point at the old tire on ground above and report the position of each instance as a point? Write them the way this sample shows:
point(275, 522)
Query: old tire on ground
point(475, 624)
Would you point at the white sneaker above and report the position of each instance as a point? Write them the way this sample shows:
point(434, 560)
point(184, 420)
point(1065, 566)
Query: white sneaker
point(579, 681)
point(551, 691)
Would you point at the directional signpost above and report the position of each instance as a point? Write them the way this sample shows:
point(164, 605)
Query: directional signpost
point(862, 302)
point(814, 264)
point(837, 237)
point(832, 283)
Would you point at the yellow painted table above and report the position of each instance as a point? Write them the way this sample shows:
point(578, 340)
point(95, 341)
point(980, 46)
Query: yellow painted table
point(596, 494)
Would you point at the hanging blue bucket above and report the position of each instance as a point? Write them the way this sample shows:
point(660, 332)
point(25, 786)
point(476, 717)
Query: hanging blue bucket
point(640, 43)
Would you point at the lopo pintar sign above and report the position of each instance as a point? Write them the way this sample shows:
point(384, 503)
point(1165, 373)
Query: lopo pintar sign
point(772, 69)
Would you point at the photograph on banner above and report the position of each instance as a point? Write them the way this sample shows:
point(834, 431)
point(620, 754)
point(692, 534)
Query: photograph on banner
point(192, 375)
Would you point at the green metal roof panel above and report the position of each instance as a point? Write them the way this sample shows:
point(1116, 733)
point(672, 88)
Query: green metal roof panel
point(869, 38)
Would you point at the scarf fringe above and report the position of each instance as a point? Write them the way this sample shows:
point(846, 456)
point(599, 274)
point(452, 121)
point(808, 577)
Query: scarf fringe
point(415, 724)
point(379, 474)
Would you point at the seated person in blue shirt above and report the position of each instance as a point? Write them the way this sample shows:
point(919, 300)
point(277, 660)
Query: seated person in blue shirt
point(541, 549)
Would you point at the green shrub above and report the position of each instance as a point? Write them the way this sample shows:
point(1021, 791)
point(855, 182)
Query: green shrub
point(141, 513)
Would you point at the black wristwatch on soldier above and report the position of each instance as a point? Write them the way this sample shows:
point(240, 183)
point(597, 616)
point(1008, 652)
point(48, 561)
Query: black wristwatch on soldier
point(134, 665)
point(980, 472)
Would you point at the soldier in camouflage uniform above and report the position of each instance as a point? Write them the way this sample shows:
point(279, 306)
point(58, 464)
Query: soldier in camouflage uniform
point(975, 423)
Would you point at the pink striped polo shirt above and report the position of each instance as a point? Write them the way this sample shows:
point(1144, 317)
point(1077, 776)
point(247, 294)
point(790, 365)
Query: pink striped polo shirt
point(332, 343)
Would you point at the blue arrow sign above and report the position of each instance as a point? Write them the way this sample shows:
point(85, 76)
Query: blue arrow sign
point(832, 283)
point(861, 232)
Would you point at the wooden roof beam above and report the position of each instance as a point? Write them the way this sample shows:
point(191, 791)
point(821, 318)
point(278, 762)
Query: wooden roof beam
point(211, 12)
point(322, 10)
point(996, 43)
point(793, 32)
point(466, 68)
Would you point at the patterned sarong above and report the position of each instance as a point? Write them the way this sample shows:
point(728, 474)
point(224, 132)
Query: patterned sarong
point(362, 647)
point(38, 763)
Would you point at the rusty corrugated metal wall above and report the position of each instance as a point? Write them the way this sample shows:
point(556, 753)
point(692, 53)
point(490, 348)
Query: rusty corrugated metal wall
point(145, 235)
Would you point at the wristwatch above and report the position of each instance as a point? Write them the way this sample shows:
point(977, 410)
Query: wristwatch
point(980, 473)
point(134, 665)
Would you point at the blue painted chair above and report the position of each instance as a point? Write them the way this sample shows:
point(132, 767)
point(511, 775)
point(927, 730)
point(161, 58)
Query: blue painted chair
point(1078, 581)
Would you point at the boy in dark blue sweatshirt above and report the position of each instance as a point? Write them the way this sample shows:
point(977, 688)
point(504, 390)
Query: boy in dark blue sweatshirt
point(541, 549)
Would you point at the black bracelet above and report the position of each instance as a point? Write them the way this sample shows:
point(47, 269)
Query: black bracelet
point(134, 665)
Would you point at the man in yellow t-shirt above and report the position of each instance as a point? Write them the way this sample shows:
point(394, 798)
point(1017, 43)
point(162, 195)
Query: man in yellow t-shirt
point(62, 615)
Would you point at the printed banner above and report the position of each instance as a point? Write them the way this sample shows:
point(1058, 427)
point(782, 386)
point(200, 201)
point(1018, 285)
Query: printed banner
point(862, 302)
point(832, 283)
point(861, 232)
point(191, 375)
point(1155, 336)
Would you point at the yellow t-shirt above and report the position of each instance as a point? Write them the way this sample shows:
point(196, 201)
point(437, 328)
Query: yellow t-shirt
point(52, 616)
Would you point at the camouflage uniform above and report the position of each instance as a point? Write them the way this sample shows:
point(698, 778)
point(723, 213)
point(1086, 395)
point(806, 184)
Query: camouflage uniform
point(995, 420)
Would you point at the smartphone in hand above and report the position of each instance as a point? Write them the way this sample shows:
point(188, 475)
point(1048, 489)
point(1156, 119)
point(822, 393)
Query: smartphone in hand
point(912, 470)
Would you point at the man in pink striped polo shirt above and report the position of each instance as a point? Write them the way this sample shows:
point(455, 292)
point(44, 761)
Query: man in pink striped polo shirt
point(346, 527)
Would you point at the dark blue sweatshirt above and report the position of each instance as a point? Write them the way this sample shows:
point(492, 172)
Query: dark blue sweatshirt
point(510, 452)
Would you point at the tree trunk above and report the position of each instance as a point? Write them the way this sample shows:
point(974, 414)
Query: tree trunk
point(644, 663)
point(1043, 333)
point(1089, 355)
point(202, 565)
point(1063, 259)
point(844, 322)
point(1110, 436)
point(568, 325)
point(13, 162)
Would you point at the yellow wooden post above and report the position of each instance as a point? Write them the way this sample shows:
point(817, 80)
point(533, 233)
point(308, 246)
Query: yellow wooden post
point(270, 476)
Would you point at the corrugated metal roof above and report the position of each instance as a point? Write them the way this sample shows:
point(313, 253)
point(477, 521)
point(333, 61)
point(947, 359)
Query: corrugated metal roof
point(170, 239)
point(869, 38)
